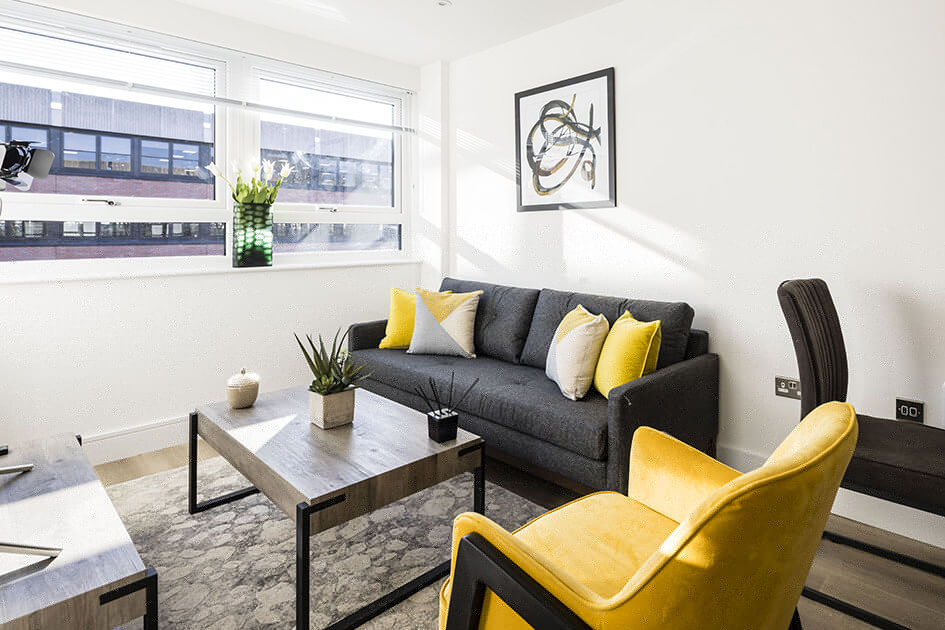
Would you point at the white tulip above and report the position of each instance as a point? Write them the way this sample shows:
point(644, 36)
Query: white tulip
point(214, 169)
point(269, 169)
point(286, 170)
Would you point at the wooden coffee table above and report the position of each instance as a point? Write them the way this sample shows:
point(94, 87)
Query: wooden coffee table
point(98, 580)
point(324, 477)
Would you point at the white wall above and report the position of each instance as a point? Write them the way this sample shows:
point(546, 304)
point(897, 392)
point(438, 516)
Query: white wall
point(756, 142)
point(122, 361)
point(127, 359)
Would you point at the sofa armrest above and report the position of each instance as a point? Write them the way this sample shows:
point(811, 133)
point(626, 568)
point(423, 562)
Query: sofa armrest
point(681, 399)
point(366, 335)
point(670, 476)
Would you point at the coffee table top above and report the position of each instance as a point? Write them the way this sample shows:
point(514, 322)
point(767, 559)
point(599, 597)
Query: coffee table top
point(275, 445)
point(60, 503)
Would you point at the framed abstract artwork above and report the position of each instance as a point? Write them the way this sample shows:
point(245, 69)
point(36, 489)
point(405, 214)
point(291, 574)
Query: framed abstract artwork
point(565, 144)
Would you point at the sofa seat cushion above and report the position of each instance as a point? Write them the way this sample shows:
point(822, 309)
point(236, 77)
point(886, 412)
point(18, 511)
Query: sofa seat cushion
point(902, 460)
point(516, 396)
point(503, 318)
point(552, 306)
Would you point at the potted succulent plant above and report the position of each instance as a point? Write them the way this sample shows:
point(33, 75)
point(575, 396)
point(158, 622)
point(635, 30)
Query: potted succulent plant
point(331, 394)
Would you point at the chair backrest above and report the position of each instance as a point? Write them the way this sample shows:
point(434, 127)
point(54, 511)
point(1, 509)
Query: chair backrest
point(739, 560)
point(818, 341)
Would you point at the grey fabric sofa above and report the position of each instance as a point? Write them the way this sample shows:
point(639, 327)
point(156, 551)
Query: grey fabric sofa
point(521, 412)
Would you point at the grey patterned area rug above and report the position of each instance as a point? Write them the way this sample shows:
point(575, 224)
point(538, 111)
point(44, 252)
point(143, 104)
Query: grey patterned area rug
point(234, 566)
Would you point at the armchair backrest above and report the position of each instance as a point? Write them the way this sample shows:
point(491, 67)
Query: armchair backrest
point(818, 341)
point(740, 559)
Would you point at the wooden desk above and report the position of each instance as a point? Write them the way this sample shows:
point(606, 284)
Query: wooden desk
point(98, 581)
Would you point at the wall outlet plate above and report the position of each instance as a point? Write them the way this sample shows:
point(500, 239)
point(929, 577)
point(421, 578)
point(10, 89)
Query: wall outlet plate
point(913, 410)
point(787, 387)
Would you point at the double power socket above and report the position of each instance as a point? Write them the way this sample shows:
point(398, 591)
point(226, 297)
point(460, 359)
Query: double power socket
point(913, 410)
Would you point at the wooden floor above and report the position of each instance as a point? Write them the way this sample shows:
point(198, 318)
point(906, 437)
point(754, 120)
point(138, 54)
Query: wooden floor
point(907, 596)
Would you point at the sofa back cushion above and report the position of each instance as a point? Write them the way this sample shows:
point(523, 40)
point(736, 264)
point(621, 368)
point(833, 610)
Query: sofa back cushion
point(503, 318)
point(552, 306)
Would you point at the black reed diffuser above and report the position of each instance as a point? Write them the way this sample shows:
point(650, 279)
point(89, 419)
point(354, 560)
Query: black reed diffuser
point(442, 419)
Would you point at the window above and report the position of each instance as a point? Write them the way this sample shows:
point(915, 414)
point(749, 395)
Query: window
point(134, 117)
point(335, 164)
point(115, 155)
point(61, 240)
point(334, 237)
point(155, 157)
point(110, 142)
point(78, 150)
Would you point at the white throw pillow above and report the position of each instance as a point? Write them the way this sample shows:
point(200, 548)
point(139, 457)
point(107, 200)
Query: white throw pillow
point(575, 349)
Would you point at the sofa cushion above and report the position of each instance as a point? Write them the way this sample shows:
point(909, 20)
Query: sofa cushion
point(552, 306)
point(516, 396)
point(503, 318)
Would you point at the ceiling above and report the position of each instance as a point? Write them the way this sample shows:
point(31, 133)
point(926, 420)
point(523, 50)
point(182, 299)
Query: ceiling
point(416, 32)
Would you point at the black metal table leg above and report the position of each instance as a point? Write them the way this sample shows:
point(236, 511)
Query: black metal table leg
point(302, 565)
point(192, 505)
point(150, 585)
point(303, 562)
point(479, 477)
point(151, 596)
point(479, 488)
point(391, 599)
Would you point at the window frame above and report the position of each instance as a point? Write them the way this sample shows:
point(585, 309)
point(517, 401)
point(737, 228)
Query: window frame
point(236, 137)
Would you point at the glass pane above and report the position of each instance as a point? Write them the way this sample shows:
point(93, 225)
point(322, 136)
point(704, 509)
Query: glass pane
point(55, 240)
point(186, 159)
point(111, 142)
point(326, 237)
point(334, 164)
point(78, 150)
point(155, 157)
point(39, 137)
point(116, 154)
point(78, 229)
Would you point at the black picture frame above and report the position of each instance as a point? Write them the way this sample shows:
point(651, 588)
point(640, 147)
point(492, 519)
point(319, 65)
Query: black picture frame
point(557, 188)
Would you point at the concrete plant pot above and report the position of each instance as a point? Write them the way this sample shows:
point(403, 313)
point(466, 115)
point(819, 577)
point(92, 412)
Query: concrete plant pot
point(333, 410)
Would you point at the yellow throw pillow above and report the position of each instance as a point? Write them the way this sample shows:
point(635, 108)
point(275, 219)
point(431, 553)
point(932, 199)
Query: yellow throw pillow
point(574, 351)
point(399, 331)
point(630, 351)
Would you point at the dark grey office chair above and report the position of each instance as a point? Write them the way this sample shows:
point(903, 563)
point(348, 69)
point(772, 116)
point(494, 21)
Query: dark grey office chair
point(898, 461)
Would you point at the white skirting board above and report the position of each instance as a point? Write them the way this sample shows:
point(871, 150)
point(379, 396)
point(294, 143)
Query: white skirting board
point(899, 519)
point(143, 438)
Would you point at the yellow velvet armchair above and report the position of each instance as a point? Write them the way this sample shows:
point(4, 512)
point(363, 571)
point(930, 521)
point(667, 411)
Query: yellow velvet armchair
point(696, 544)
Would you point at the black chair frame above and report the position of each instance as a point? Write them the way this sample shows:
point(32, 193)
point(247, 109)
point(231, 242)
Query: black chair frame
point(822, 366)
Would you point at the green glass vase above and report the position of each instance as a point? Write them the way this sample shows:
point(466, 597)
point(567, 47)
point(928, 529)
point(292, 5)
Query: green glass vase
point(252, 235)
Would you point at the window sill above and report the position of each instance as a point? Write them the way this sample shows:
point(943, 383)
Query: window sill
point(45, 276)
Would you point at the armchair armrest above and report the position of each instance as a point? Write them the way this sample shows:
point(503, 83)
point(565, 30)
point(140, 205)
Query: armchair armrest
point(366, 335)
point(465, 584)
point(681, 399)
point(479, 566)
point(670, 476)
